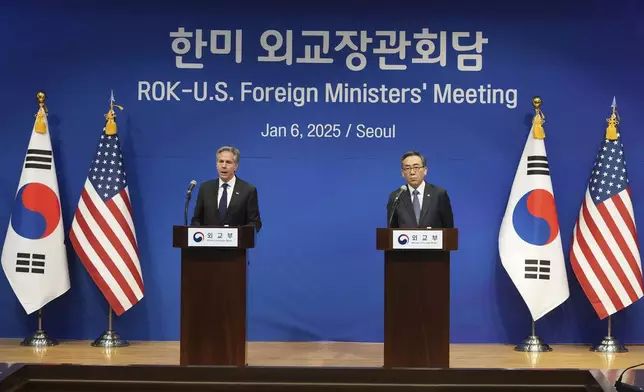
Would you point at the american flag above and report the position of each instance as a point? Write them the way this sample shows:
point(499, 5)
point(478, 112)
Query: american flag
point(102, 231)
point(605, 252)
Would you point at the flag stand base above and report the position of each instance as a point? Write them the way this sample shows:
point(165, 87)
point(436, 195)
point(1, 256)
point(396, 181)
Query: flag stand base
point(110, 338)
point(39, 339)
point(609, 345)
point(533, 344)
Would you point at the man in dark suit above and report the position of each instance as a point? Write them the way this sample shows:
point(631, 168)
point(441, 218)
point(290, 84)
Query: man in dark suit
point(227, 200)
point(422, 204)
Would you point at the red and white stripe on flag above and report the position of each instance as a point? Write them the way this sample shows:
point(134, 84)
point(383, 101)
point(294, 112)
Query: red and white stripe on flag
point(103, 233)
point(605, 253)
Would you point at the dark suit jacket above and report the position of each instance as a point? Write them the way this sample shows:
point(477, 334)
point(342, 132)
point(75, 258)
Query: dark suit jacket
point(243, 209)
point(436, 211)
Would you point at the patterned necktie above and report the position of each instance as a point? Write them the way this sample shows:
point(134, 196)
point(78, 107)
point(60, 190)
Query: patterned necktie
point(223, 202)
point(416, 204)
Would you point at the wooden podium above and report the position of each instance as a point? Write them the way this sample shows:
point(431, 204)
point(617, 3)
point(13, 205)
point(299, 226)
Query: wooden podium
point(417, 295)
point(213, 293)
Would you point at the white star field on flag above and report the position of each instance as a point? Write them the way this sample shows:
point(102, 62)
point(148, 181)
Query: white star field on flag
point(106, 174)
point(609, 173)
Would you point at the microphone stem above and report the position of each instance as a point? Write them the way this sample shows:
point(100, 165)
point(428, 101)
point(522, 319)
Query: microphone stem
point(193, 183)
point(185, 212)
point(393, 211)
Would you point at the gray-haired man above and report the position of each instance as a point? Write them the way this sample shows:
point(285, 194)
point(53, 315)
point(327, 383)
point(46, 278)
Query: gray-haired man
point(227, 200)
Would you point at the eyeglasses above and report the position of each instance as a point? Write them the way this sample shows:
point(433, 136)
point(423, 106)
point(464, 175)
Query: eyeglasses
point(407, 169)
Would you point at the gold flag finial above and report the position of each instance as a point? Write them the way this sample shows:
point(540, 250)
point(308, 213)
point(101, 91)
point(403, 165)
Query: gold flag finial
point(110, 126)
point(613, 120)
point(41, 126)
point(539, 119)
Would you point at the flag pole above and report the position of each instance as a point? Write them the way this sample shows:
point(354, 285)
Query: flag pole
point(40, 337)
point(110, 338)
point(533, 343)
point(609, 344)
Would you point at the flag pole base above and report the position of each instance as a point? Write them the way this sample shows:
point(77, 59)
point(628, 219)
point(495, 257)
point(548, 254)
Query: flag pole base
point(39, 339)
point(609, 345)
point(110, 338)
point(533, 344)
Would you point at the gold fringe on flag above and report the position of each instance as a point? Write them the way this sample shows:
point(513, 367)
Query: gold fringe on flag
point(539, 119)
point(611, 129)
point(41, 125)
point(110, 126)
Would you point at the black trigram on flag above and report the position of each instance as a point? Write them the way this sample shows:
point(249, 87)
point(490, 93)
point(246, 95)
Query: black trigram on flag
point(33, 263)
point(38, 159)
point(538, 164)
point(537, 269)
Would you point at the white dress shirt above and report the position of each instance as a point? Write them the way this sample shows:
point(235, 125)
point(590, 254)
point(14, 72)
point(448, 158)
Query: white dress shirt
point(229, 190)
point(421, 192)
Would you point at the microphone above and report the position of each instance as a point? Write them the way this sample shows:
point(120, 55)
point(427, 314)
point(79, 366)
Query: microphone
point(395, 203)
point(623, 387)
point(192, 185)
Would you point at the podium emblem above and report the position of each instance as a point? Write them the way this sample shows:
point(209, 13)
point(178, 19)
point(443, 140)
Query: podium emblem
point(213, 237)
point(417, 239)
point(403, 239)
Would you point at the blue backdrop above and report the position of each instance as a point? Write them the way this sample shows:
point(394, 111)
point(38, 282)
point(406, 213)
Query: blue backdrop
point(315, 273)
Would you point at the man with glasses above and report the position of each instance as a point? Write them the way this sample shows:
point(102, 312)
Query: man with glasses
point(421, 204)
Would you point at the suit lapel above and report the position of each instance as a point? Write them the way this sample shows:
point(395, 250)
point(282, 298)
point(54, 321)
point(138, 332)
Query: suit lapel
point(406, 201)
point(216, 195)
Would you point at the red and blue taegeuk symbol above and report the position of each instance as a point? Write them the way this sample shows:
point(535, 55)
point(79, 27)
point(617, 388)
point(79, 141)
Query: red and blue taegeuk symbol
point(36, 212)
point(535, 217)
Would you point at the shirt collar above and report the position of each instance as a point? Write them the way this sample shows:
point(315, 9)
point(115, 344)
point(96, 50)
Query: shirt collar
point(421, 189)
point(231, 182)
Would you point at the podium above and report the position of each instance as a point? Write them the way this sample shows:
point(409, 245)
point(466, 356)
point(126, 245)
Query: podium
point(417, 295)
point(213, 293)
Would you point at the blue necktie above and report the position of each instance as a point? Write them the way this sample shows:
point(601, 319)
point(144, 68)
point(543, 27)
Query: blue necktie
point(416, 204)
point(223, 202)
